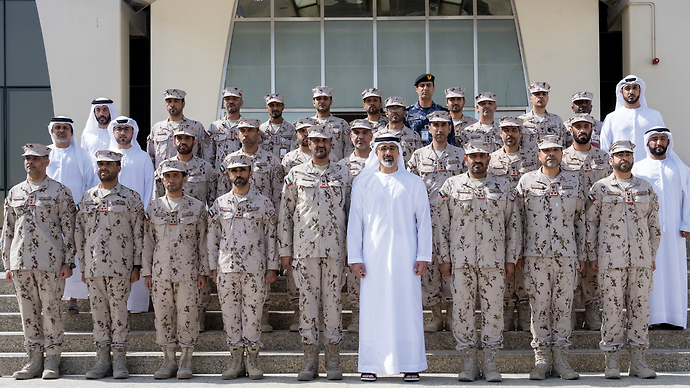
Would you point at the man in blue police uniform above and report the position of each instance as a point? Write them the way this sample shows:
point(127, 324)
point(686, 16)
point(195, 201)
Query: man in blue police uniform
point(416, 114)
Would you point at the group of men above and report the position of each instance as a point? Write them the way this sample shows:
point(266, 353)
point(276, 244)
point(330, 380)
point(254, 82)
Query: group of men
point(518, 212)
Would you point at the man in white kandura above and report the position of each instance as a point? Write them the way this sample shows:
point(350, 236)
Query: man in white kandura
point(670, 178)
point(96, 136)
point(389, 247)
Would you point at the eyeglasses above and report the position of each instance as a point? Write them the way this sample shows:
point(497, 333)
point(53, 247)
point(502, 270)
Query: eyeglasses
point(122, 129)
point(385, 149)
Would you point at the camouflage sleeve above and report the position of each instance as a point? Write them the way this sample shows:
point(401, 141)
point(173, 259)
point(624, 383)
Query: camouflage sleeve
point(212, 130)
point(270, 222)
point(205, 144)
point(158, 188)
point(7, 233)
point(151, 146)
point(212, 188)
point(580, 228)
point(277, 183)
point(347, 191)
point(80, 233)
point(654, 225)
point(511, 226)
point(213, 236)
point(413, 163)
point(148, 248)
point(520, 217)
point(67, 214)
point(137, 225)
point(202, 231)
point(593, 218)
point(286, 225)
point(440, 218)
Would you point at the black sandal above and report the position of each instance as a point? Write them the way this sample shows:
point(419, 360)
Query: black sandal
point(368, 377)
point(411, 376)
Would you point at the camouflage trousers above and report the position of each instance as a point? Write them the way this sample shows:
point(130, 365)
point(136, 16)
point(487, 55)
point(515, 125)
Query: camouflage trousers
point(516, 292)
point(625, 288)
point(108, 296)
point(175, 304)
point(292, 290)
point(435, 286)
point(320, 285)
point(352, 288)
point(241, 301)
point(587, 286)
point(550, 285)
point(489, 282)
point(38, 295)
point(204, 297)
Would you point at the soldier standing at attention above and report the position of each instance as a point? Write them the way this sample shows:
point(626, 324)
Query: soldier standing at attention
point(372, 100)
point(455, 100)
point(409, 139)
point(538, 123)
point(277, 134)
point(223, 132)
point(582, 103)
point(38, 255)
point(485, 129)
point(322, 97)
point(417, 114)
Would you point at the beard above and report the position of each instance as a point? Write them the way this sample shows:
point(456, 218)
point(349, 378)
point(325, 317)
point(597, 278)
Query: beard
point(239, 182)
point(586, 140)
point(658, 150)
point(388, 163)
point(632, 100)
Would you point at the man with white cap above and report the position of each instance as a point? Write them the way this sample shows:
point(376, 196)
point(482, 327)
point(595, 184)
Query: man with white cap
point(478, 241)
point(311, 231)
point(372, 101)
point(582, 103)
point(409, 139)
point(416, 118)
point(455, 100)
point(38, 255)
point(243, 260)
point(72, 166)
point(322, 97)
point(174, 267)
point(485, 129)
point(434, 164)
point(277, 134)
point(159, 143)
point(389, 242)
point(109, 238)
point(552, 221)
point(538, 123)
point(95, 135)
point(223, 132)
point(136, 173)
point(670, 178)
point(623, 234)
point(589, 164)
point(632, 117)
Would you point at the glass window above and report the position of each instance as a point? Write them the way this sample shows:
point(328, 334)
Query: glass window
point(451, 47)
point(298, 61)
point(28, 114)
point(348, 8)
point(250, 62)
point(2, 47)
point(297, 8)
point(349, 61)
point(494, 7)
point(26, 58)
point(253, 9)
point(401, 57)
point(450, 7)
point(400, 8)
point(500, 66)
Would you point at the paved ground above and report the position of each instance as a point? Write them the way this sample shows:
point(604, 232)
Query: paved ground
point(667, 379)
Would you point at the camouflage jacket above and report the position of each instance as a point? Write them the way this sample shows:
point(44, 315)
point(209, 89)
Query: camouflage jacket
point(480, 132)
point(460, 125)
point(278, 139)
point(159, 144)
point(588, 168)
point(376, 125)
point(224, 140)
point(416, 120)
point(202, 181)
point(435, 167)
point(513, 168)
point(534, 128)
point(596, 132)
point(267, 175)
point(409, 140)
point(297, 157)
point(342, 145)
point(353, 164)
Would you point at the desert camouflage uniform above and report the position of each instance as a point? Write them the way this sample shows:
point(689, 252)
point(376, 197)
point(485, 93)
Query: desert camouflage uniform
point(174, 254)
point(202, 181)
point(489, 133)
point(278, 139)
point(477, 233)
point(267, 175)
point(159, 144)
point(313, 217)
point(534, 128)
point(37, 239)
point(623, 234)
point(409, 140)
point(460, 125)
point(224, 139)
point(596, 132)
point(377, 125)
point(342, 145)
point(434, 170)
point(242, 247)
point(553, 241)
point(109, 239)
point(589, 169)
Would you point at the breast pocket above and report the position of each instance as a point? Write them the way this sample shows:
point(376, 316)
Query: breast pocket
point(306, 191)
point(252, 224)
point(335, 190)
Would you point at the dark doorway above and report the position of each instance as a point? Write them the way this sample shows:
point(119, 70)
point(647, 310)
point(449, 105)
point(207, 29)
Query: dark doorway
point(140, 80)
point(610, 62)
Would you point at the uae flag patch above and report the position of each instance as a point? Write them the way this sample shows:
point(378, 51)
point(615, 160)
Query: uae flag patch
point(211, 212)
point(146, 217)
point(288, 181)
point(591, 198)
point(443, 193)
point(76, 209)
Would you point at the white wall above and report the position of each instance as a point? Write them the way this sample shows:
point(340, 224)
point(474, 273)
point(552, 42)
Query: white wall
point(561, 45)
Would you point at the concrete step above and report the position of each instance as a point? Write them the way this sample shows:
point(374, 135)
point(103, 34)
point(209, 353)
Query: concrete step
point(439, 361)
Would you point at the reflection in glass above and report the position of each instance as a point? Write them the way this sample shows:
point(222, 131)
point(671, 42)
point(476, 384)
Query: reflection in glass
point(249, 66)
point(26, 58)
point(450, 7)
point(253, 9)
point(451, 48)
point(349, 60)
point(401, 57)
point(298, 61)
point(400, 8)
point(494, 7)
point(296, 8)
point(500, 67)
point(348, 8)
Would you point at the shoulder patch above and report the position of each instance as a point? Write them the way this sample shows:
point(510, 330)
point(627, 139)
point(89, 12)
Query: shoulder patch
point(211, 213)
point(273, 218)
point(288, 181)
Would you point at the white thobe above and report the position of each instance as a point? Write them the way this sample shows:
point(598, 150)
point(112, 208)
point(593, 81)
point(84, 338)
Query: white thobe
point(73, 168)
point(389, 229)
point(629, 124)
point(137, 174)
point(668, 302)
point(92, 142)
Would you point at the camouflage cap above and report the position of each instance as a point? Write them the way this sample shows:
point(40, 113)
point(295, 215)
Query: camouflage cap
point(172, 165)
point(621, 146)
point(274, 97)
point(396, 101)
point(582, 96)
point(424, 78)
point(324, 131)
point(232, 92)
point(322, 91)
point(438, 115)
point(549, 141)
point(304, 123)
point(108, 156)
point(174, 93)
point(248, 122)
point(476, 147)
point(372, 92)
point(485, 96)
point(35, 149)
point(364, 124)
point(579, 117)
point(235, 160)
point(455, 92)
point(184, 129)
point(510, 121)
point(539, 87)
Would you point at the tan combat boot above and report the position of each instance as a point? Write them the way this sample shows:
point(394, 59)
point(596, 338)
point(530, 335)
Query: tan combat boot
point(542, 363)
point(294, 327)
point(265, 326)
point(33, 366)
point(51, 367)
point(169, 366)
point(561, 367)
point(333, 362)
point(252, 363)
point(435, 324)
point(593, 316)
point(354, 323)
point(448, 325)
point(120, 364)
point(310, 370)
point(613, 369)
point(489, 368)
point(103, 366)
point(184, 368)
point(236, 367)
point(509, 317)
point(638, 364)
point(524, 314)
point(470, 369)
